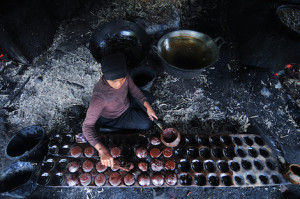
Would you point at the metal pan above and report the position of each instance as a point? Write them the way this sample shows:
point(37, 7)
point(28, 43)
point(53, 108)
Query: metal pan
point(186, 53)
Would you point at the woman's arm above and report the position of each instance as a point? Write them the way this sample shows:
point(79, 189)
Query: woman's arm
point(139, 96)
point(88, 129)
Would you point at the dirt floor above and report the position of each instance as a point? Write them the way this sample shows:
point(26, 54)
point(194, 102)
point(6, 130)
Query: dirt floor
point(220, 100)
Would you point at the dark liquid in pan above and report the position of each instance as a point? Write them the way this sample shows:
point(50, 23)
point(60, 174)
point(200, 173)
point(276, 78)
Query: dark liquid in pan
point(187, 53)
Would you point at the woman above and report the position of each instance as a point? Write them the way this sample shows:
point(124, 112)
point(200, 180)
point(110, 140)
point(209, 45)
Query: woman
point(112, 106)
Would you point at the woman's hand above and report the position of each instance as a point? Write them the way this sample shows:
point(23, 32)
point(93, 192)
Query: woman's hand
point(151, 113)
point(106, 158)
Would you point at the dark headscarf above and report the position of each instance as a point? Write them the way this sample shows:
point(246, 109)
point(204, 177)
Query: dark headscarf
point(114, 66)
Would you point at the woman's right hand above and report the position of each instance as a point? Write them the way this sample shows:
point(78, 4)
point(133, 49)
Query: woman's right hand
point(106, 158)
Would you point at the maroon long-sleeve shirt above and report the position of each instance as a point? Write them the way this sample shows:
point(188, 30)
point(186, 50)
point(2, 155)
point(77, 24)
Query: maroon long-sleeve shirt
point(109, 103)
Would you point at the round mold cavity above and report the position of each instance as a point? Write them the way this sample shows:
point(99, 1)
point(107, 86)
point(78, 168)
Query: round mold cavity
point(197, 165)
point(170, 164)
point(226, 179)
point(68, 138)
point(184, 165)
point(190, 140)
point(215, 140)
point(100, 179)
point(239, 179)
point(127, 151)
point(229, 152)
point(240, 152)
point(57, 138)
point(223, 166)
point(64, 150)
point(142, 141)
point(44, 178)
point(157, 179)
point(217, 152)
point(234, 166)
point(251, 178)
point(210, 166)
point(19, 175)
point(264, 152)
point(259, 141)
point(205, 152)
point(61, 165)
point(213, 180)
point(264, 179)
point(258, 164)
point(57, 179)
point(252, 152)
point(275, 178)
point(199, 179)
point(203, 141)
point(129, 179)
point(192, 152)
point(270, 164)
point(85, 179)
point(180, 152)
point(248, 141)
point(116, 141)
point(246, 164)
point(53, 149)
point(237, 141)
point(48, 164)
point(226, 140)
point(185, 179)
point(76, 151)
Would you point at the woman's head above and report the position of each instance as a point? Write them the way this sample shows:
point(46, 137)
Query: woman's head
point(114, 67)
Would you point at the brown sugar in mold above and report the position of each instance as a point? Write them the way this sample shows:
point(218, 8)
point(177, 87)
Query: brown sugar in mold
point(141, 152)
point(155, 152)
point(167, 152)
point(100, 167)
point(115, 179)
point(156, 165)
point(100, 180)
point(87, 166)
point(129, 179)
point(143, 166)
point(76, 151)
point(157, 179)
point(144, 179)
point(155, 141)
point(171, 178)
point(72, 180)
point(73, 166)
point(85, 179)
point(89, 151)
point(170, 165)
point(115, 152)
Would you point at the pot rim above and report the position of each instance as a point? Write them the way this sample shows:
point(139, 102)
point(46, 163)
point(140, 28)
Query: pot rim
point(33, 127)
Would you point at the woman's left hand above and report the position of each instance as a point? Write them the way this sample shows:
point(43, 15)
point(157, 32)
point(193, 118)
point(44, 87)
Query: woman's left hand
point(151, 113)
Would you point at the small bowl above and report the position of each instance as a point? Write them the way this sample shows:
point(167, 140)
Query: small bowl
point(293, 173)
point(170, 137)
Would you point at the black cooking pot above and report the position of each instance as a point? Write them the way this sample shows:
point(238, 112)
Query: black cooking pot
point(29, 144)
point(186, 53)
point(18, 180)
point(120, 36)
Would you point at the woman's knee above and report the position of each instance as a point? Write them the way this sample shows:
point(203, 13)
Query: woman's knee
point(146, 124)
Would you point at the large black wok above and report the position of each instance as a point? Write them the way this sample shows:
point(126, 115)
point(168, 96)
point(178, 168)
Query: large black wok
point(120, 36)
